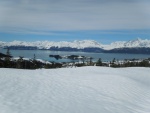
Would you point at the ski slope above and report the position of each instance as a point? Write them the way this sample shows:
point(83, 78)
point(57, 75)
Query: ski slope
point(75, 90)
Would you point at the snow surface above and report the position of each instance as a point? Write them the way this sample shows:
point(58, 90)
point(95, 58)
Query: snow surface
point(80, 44)
point(75, 90)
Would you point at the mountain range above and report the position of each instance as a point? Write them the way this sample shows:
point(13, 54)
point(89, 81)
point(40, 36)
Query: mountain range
point(137, 45)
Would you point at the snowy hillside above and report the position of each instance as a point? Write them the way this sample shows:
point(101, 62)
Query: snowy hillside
point(48, 44)
point(128, 44)
point(113, 45)
point(75, 90)
point(138, 43)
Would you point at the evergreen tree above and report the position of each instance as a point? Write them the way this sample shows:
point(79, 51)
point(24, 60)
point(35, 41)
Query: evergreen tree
point(7, 59)
point(83, 59)
point(34, 58)
point(99, 62)
point(114, 60)
point(91, 60)
point(20, 62)
point(34, 62)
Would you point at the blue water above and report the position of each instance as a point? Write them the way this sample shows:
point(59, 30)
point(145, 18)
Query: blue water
point(44, 54)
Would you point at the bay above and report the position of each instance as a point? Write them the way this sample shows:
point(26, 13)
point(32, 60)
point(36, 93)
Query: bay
point(44, 55)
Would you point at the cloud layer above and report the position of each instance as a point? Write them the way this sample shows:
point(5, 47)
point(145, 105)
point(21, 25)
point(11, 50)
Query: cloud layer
point(73, 15)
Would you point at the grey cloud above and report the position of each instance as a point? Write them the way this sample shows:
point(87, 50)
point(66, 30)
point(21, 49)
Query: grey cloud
point(59, 15)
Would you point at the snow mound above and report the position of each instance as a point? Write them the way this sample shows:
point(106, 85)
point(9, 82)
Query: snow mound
point(75, 90)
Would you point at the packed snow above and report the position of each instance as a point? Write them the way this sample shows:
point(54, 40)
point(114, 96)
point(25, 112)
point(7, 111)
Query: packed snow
point(80, 44)
point(75, 90)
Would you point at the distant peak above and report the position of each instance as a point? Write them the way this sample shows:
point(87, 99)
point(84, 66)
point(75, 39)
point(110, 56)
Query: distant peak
point(138, 39)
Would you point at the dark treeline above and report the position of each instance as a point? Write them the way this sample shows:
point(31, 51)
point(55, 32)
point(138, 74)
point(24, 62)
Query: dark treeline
point(6, 61)
point(27, 64)
point(21, 48)
point(130, 63)
point(137, 50)
point(126, 63)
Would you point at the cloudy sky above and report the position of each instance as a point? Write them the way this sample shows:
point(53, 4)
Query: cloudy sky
point(101, 20)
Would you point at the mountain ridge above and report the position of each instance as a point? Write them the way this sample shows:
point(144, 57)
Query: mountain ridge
point(78, 44)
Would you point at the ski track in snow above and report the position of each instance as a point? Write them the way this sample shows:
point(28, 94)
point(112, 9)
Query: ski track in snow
point(75, 90)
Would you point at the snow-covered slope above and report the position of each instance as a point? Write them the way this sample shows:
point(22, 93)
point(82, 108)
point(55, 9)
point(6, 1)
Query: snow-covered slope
point(48, 44)
point(80, 44)
point(75, 90)
point(128, 44)
point(113, 45)
point(138, 43)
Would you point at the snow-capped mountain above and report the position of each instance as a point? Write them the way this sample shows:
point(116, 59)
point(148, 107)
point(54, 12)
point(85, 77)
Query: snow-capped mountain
point(137, 43)
point(113, 45)
point(48, 44)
